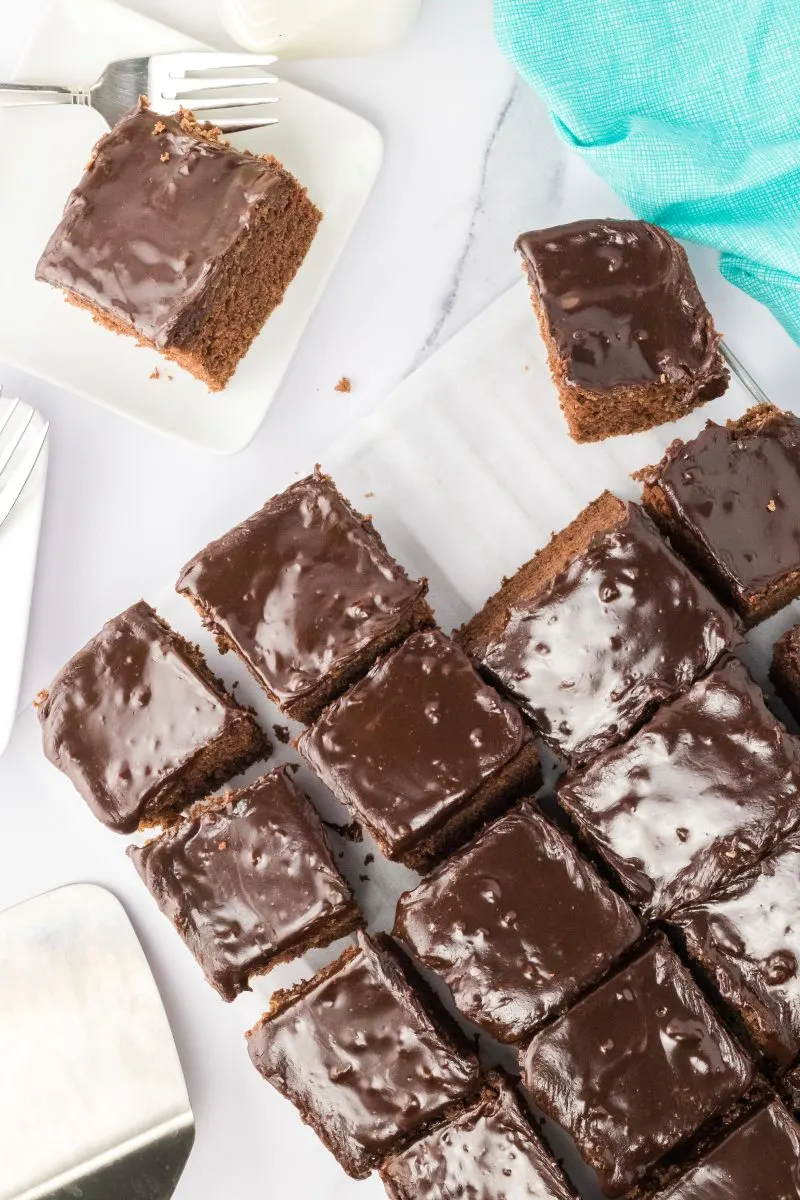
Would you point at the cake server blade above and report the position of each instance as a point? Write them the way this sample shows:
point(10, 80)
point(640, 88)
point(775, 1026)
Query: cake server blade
point(93, 1103)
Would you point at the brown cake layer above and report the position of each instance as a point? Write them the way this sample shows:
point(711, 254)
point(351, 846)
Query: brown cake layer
point(177, 239)
point(629, 339)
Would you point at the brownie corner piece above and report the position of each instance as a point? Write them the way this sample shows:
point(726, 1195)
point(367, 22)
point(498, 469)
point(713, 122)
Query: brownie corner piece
point(676, 812)
point(488, 1149)
point(350, 1046)
point(629, 339)
point(649, 1064)
point(171, 230)
point(785, 669)
point(140, 725)
point(517, 924)
point(249, 881)
point(729, 499)
point(306, 593)
point(584, 638)
point(422, 751)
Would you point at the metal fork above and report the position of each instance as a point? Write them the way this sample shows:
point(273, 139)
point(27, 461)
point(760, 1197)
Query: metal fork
point(22, 440)
point(743, 375)
point(170, 82)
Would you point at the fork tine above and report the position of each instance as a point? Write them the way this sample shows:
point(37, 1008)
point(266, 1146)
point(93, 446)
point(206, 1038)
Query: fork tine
point(241, 124)
point(209, 60)
point(11, 491)
point(196, 83)
point(8, 449)
point(220, 103)
point(9, 412)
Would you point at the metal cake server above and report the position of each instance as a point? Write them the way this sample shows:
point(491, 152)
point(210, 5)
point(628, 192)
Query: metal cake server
point(93, 1103)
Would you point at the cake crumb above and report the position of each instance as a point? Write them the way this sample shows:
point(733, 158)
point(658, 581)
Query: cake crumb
point(222, 846)
point(663, 378)
point(282, 733)
point(170, 378)
point(155, 373)
point(364, 878)
point(526, 367)
point(351, 832)
point(165, 156)
point(771, 505)
point(344, 385)
point(159, 127)
point(40, 698)
point(369, 495)
point(368, 858)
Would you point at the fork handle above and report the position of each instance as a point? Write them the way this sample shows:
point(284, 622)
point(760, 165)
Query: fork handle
point(42, 93)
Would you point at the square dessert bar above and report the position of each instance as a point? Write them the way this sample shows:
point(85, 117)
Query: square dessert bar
point(759, 1160)
point(422, 751)
point(702, 792)
point(597, 629)
point(364, 1056)
point(141, 727)
point(629, 340)
point(176, 238)
point(636, 1068)
point(730, 501)
point(489, 1151)
point(249, 881)
point(747, 937)
point(785, 669)
point(517, 924)
point(306, 594)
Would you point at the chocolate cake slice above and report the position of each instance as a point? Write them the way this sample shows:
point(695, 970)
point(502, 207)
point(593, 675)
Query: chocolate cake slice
point(176, 238)
point(141, 727)
point(630, 341)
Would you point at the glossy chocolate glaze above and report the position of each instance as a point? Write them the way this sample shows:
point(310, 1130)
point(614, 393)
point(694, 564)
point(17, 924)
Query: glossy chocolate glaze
point(128, 714)
point(359, 1055)
point(410, 743)
point(635, 1068)
point(758, 1161)
point(517, 924)
point(748, 937)
point(300, 588)
point(703, 790)
point(489, 1152)
point(156, 210)
point(246, 881)
point(621, 305)
point(624, 627)
point(738, 494)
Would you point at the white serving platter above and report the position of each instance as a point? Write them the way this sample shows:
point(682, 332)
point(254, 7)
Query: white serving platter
point(335, 153)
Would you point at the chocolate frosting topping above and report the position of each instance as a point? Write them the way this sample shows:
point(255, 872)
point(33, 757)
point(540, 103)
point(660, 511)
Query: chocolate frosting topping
point(359, 1055)
point(489, 1152)
point(758, 1161)
point(300, 588)
point(635, 1068)
point(157, 208)
point(624, 627)
point(246, 880)
point(127, 714)
point(738, 492)
point(517, 924)
point(707, 787)
point(748, 937)
point(621, 304)
point(408, 744)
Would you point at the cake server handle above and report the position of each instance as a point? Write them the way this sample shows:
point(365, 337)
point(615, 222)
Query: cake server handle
point(18, 94)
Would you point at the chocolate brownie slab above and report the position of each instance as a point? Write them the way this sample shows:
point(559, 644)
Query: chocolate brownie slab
point(785, 669)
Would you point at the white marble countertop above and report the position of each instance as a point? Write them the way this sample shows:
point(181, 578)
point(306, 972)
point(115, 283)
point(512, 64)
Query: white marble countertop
point(471, 160)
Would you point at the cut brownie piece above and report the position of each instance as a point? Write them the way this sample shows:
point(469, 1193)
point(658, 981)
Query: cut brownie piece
point(599, 628)
point(785, 669)
point(489, 1151)
point(306, 593)
point(636, 1068)
point(422, 751)
point(366, 1060)
point(790, 1088)
point(176, 238)
point(759, 1160)
point(730, 500)
point(249, 882)
point(704, 790)
point(747, 936)
point(629, 340)
point(140, 725)
point(517, 924)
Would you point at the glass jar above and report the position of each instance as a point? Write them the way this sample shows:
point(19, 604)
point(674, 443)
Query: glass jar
point(317, 28)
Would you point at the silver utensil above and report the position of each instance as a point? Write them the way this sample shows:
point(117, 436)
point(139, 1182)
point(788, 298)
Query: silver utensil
point(743, 375)
point(170, 81)
point(23, 434)
point(93, 1102)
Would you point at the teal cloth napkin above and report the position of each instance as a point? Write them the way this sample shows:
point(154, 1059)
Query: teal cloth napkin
point(690, 109)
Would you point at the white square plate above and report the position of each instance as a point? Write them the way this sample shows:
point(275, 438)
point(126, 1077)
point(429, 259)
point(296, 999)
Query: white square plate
point(334, 153)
